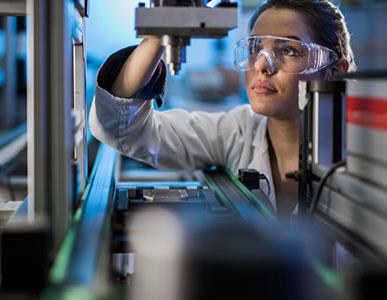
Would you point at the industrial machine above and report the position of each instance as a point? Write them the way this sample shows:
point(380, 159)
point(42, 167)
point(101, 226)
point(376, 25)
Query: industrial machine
point(342, 173)
point(176, 22)
point(56, 124)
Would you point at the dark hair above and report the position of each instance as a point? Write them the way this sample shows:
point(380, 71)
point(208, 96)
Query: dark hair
point(326, 22)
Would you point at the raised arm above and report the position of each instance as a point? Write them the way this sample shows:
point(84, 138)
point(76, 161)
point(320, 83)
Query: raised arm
point(138, 69)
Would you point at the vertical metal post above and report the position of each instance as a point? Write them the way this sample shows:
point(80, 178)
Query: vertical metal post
point(306, 134)
point(337, 153)
point(52, 94)
point(37, 108)
point(80, 113)
point(310, 132)
point(60, 120)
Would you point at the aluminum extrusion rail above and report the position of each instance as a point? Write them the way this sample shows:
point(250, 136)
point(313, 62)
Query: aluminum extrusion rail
point(77, 262)
point(236, 196)
point(355, 212)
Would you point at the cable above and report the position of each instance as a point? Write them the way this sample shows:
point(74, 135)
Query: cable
point(263, 176)
point(322, 182)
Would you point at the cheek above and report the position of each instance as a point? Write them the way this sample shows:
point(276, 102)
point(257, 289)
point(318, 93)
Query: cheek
point(290, 95)
point(248, 79)
point(291, 87)
point(283, 104)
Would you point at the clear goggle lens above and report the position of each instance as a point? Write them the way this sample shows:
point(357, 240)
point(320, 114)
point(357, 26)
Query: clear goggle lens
point(288, 55)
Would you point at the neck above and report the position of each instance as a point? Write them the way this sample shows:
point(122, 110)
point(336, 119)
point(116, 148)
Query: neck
point(284, 137)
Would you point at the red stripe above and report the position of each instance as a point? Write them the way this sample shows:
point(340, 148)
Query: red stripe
point(367, 111)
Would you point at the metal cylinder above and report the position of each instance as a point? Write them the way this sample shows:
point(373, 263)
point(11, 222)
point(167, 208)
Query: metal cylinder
point(175, 51)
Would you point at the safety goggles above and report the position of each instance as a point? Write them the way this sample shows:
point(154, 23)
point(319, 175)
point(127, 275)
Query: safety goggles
point(288, 55)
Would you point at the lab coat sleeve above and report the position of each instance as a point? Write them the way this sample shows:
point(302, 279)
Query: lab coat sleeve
point(154, 89)
point(175, 139)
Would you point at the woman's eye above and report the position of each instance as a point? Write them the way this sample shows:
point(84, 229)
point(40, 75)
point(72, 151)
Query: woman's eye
point(289, 51)
point(254, 49)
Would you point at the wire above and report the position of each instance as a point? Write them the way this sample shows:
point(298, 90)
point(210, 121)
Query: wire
point(322, 182)
point(263, 176)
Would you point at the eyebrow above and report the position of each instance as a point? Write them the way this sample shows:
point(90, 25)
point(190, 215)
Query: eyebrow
point(294, 37)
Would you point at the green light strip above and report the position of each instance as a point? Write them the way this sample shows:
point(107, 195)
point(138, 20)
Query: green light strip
point(265, 211)
point(59, 270)
point(75, 293)
point(329, 277)
point(218, 191)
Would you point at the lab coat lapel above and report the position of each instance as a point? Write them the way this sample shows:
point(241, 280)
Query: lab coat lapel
point(261, 160)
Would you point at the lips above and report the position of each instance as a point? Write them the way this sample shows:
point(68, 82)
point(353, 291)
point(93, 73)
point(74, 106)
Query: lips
point(263, 87)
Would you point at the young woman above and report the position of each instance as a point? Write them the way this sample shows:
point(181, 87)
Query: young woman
point(290, 40)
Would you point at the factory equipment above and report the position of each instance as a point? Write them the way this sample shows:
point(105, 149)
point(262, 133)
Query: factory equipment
point(345, 189)
point(56, 118)
point(176, 22)
point(131, 239)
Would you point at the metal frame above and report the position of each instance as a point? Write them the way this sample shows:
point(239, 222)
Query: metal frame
point(60, 135)
point(53, 92)
point(79, 105)
point(13, 7)
point(310, 132)
point(83, 249)
point(355, 212)
point(352, 211)
point(37, 108)
point(52, 59)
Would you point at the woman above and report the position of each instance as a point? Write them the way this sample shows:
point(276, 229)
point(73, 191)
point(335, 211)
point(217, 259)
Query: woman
point(290, 40)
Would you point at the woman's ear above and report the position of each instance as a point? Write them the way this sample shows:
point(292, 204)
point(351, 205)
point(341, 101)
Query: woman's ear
point(341, 66)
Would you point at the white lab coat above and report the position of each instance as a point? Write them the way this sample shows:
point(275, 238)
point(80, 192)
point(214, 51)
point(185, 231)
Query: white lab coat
point(179, 139)
point(176, 139)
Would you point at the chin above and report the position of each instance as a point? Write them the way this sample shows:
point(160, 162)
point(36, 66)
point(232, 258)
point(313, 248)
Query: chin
point(261, 107)
point(262, 110)
point(272, 112)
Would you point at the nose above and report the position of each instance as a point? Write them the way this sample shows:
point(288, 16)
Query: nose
point(265, 62)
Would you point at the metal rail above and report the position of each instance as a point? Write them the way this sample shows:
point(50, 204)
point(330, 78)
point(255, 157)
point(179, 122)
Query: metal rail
point(77, 262)
point(237, 197)
point(355, 212)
